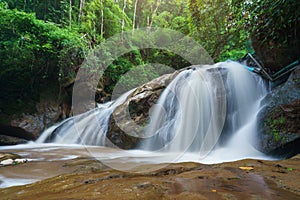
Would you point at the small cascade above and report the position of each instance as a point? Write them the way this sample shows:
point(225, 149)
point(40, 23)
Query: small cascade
point(88, 128)
point(205, 110)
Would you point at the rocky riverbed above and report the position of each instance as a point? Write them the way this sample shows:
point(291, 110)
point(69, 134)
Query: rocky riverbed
point(87, 178)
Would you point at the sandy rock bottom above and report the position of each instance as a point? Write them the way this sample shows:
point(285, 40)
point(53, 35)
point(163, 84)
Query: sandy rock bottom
point(85, 178)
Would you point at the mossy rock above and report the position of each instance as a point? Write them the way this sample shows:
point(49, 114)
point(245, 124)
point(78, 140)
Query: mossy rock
point(279, 119)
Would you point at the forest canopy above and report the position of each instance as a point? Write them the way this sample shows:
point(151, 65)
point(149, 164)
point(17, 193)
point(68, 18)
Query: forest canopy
point(44, 42)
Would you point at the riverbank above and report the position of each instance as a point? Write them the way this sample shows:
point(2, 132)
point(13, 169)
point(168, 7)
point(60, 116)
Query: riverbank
point(85, 177)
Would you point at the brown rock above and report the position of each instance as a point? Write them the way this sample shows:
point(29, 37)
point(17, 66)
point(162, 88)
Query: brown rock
point(129, 119)
point(176, 181)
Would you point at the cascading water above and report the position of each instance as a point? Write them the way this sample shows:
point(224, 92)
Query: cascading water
point(206, 110)
point(190, 113)
point(198, 114)
point(88, 128)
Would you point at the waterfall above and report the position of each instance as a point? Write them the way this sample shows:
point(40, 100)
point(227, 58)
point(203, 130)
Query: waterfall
point(205, 110)
point(190, 113)
point(88, 128)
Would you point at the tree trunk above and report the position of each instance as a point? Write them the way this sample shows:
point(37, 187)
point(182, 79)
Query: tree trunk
point(102, 18)
point(70, 14)
point(81, 6)
point(134, 15)
point(123, 19)
point(150, 20)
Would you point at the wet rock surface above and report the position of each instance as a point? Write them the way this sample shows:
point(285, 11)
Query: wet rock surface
point(279, 119)
point(7, 155)
point(132, 116)
point(84, 178)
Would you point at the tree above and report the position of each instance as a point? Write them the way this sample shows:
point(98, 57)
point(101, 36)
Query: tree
point(57, 11)
point(111, 20)
point(209, 24)
point(33, 55)
point(81, 6)
point(134, 15)
point(123, 18)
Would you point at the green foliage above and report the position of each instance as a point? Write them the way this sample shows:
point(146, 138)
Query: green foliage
point(168, 20)
point(163, 20)
point(274, 29)
point(112, 17)
point(32, 54)
point(269, 20)
point(232, 54)
point(121, 66)
point(56, 11)
point(216, 29)
point(224, 27)
point(281, 120)
point(131, 70)
point(39, 52)
point(180, 24)
point(136, 77)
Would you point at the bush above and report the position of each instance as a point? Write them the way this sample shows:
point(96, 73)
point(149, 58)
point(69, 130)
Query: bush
point(33, 53)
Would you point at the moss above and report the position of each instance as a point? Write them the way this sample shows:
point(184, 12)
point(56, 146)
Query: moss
point(281, 120)
point(276, 127)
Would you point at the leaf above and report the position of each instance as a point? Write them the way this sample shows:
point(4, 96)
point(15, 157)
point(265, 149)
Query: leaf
point(246, 168)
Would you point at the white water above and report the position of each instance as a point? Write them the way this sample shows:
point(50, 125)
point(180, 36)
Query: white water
point(202, 116)
point(209, 111)
point(190, 113)
point(88, 128)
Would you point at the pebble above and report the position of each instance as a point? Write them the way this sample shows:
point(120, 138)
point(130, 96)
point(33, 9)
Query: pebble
point(11, 161)
point(7, 162)
point(20, 160)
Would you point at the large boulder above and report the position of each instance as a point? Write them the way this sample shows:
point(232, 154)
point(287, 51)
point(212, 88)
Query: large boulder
point(279, 119)
point(129, 119)
point(28, 126)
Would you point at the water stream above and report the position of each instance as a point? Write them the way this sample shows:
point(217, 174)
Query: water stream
point(204, 110)
point(207, 114)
